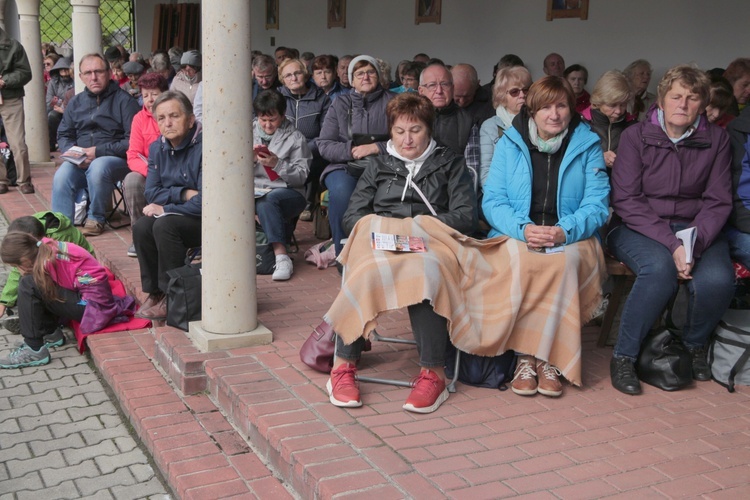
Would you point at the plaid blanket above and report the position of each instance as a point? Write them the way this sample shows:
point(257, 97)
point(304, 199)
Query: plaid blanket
point(496, 294)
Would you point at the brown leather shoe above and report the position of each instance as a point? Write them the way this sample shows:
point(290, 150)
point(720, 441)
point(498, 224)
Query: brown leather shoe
point(155, 313)
point(27, 188)
point(92, 228)
point(151, 301)
point(549, 381)
point(524, 380)
point(3, 188)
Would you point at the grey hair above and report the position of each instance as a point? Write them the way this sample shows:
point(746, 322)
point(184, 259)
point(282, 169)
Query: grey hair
point(174, 95)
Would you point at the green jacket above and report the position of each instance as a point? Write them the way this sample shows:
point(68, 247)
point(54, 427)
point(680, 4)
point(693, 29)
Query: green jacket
point(14, 67)
point(57, 227)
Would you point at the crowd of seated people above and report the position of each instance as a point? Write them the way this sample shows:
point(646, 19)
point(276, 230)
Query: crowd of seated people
point(540, 169)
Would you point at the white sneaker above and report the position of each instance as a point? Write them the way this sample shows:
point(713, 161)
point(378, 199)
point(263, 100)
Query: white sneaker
point(283, 269)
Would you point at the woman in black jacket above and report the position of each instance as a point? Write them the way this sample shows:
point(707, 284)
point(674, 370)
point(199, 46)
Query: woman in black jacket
point(416, 177)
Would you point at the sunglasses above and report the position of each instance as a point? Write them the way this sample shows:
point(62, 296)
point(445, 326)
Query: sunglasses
point(515, 91)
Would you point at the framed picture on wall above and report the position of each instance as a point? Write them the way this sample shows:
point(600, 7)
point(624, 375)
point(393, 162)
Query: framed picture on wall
point(337, 13)
point(560, 9)
point(427, 11)
point(272, 14)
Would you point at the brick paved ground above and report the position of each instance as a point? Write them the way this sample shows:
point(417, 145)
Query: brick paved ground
point(60, 434)
point(592, 442)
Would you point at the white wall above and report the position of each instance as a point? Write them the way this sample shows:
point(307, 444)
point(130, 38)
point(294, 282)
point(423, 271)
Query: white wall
point(666, 32)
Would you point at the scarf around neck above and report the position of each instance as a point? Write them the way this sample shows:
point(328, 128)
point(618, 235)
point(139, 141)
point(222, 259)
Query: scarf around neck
point(506, 119)
point(550, 146)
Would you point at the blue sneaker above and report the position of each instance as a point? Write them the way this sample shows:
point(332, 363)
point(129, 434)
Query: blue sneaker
point(26, 356)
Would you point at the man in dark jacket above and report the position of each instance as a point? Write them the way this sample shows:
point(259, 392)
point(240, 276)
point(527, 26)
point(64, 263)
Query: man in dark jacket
point(738, 230)
point(455, 128)
point(97, 121)
point(15, 72)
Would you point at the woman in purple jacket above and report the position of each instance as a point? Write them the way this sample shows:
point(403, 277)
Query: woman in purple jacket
point(672, 172)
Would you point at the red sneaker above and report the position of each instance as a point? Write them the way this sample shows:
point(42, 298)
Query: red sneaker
point(428, 394)
point(343, 389)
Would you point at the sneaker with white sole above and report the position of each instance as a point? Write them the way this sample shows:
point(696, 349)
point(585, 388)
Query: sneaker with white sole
point(283, 269)
point(131, 251)
point(343, 389)
point(428, 394)
point(25, 356)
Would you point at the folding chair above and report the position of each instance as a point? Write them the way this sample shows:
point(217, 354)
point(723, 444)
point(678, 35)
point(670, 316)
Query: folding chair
point(451, 386)
point(118, 204)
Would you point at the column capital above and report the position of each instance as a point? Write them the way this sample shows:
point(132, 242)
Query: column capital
point(28, 7)
point(85, 3)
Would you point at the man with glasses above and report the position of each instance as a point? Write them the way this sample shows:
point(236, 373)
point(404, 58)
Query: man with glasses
point(97, 121)
point(454, 128)
point(264, 74)
point(15, 72)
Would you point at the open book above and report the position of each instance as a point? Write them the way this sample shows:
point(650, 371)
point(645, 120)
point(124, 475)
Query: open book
point(397, 243)
point(688, 237)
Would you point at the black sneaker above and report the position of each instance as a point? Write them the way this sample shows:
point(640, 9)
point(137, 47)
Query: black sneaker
point(11, 323)
point(624, 378)
point(701, 370)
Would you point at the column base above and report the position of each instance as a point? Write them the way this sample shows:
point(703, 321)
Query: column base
point(42, 164)
point(208, 342)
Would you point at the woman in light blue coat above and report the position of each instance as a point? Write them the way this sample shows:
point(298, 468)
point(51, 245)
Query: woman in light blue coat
point(548, 190)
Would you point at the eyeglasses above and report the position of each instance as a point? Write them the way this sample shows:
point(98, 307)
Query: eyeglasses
point(360, 75)
point(296, 74)
point(97, 72)
point(515, 91)
point(432, 87)
point(47, 64)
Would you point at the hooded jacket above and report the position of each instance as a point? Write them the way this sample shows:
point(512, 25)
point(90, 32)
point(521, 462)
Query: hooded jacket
point(608, 132)
point(14, 67)
point(443, 178)
point(172, 170)
point(102, 120)
point(349, 114)
point(656, 182)
point(739, 132)
point(295, 157)
point(582, 186)
point(307, 112)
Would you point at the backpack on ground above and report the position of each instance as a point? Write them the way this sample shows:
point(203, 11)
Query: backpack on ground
point(481, 371)
point(729, 349)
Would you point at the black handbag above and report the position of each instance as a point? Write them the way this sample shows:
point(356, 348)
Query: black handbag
point(265, 259)
point(184, 296)
point(664, 361)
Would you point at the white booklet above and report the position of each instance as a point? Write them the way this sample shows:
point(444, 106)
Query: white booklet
point(688, 237)
point(397, 243)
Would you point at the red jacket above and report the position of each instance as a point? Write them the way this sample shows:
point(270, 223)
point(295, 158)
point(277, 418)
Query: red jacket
point(143, 132)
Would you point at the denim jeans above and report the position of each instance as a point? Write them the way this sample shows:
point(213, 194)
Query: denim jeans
point(710, 290)
point(430, 333)
point(340, 187)
point(276, 210)
point(99, 179)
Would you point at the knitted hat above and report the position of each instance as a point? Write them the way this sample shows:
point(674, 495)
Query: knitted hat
point(369, 59)
point(191, 58)
point(133, 68)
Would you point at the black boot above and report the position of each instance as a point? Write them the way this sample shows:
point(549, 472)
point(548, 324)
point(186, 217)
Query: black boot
point(701, 370)
point(624, 378)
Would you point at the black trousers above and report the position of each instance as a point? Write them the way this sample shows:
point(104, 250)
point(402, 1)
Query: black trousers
point(39, 317)
point(161, 245)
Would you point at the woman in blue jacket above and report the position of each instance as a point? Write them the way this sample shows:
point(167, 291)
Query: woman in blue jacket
point(547, 189)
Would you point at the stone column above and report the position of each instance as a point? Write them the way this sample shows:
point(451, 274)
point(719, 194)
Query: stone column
point(230, 312)
point(87, 32)
point(35, 109)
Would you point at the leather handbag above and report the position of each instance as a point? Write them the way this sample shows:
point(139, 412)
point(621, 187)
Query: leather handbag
point(317, 351)
point(664, 362)
point(184, 296)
